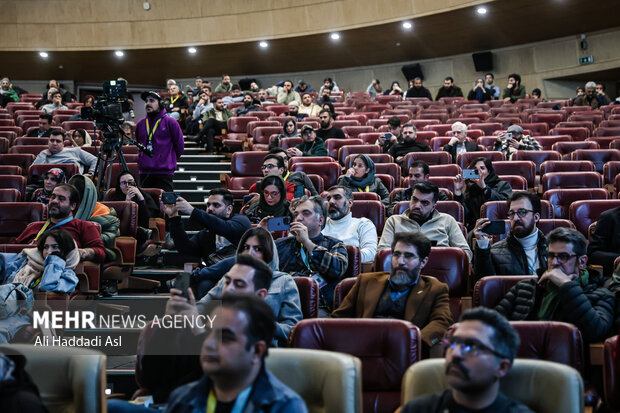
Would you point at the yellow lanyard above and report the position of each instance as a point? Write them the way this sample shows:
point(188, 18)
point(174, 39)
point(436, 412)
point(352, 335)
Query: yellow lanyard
point(287, 174)
point(211, 402)
point(47, 223)
point(148, 129)
point(172, 100)
point(367, 189)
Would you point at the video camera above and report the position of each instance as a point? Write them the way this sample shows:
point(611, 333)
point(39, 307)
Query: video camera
point(108, 108)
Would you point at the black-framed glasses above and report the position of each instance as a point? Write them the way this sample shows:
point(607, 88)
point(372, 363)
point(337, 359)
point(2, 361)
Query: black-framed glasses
point(522, 212)
point(562, 256)
point(128, 183)
point(469, 347)
point(268, 166)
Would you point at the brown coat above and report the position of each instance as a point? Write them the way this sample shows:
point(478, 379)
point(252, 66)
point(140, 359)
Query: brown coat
point(427, 306)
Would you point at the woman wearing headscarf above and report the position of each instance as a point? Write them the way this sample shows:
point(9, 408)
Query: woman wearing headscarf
point(272, 200)
point(51, 178)
point(472, 193)
point(79, 138)
point(479, 92)
point(361, 178)
point(332, 111)
point(394, 89)
point(289, 130)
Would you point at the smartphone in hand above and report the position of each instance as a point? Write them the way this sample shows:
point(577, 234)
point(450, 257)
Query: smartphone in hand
point(470, 174)
point(181, 282)
point(279, 224)
point(497, 227)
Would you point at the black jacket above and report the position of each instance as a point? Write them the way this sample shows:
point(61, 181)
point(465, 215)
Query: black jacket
point(604, 246)
point(507, 257)
point(469, 147)
point(403, 148)
point(419, 92)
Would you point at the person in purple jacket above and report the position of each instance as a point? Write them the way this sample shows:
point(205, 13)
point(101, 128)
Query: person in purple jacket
point(163, 136)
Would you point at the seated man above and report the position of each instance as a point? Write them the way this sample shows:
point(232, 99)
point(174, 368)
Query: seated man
point(225, 86)
point(394, 136)
point(442, 229)
point(214, 121)
point(408, 145)
point(590, 97)
point(63, 202)
point(235, 95)
point(604, 246)
point(524, 251)
point(311, 145)
point(222, 229)
point(403, 293)
point(7, 93)
point(57, 153)
point(275, 164)
point(359, 232)
point(514, 91)
point(56, 103)
point(566, 291)
point(248, 105)
point(514, 140)
point(286, 94)
point(201, 105)
point(459, 143)
point(308, 253)
point(176, 104)
point(328, 130)
point(449, 89)
point(479, 353)
point(293, 111)
point(418, 172)
point(308, 107)
point(45, 127)
point(418, 90)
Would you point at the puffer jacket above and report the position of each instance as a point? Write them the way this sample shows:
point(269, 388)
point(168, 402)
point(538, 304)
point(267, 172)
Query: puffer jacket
point(589, 308)
point(507, 257)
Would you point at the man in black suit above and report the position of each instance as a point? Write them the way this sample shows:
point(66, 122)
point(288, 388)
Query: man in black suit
point(45, 127)
point(459, 143)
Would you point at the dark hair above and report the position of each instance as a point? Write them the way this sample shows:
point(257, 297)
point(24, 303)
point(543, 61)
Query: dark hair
point(88, 97)
point(505, 338)
point(322, 111)
point(224, 75)
point(129, 124)
point(534, 200)
point(490, 74)
point(423, 165)
point(516, 77)
point(330, 88)
point(261, 320)
point(328, 79)
point(46, 116)
point(363, 158)
point(249, 94)
point(487, 163)
point(537, 92)
point(427, 187)
point(57, 92)
point(449, 78)
point(602, 85)
point(417, 239)
point(64, 240)
point(264, 238)
point(118, 181)
point(225, 193)
point(394, 121)
point(278, 159)
point(348, 192)
point(410, 125)
point(318, 206)
point(290, 81)
point(235, 87)
point(57, 132)
point(273, 180)
point(569, 236)
point(82, 133)
point(74, 194)
point(332, 111)
point(262, 273)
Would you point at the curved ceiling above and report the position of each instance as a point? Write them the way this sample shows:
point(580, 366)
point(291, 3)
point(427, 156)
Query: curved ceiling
point(507, 23)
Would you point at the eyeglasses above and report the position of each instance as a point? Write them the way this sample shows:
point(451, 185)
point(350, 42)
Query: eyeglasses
point(522, 212)
point(469, 347)
point(409, 256)
point(271, 194)
point(562, 256)
point(268, 166)
point(130, 183)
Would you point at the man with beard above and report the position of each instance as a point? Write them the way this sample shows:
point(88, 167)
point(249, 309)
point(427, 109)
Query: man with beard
point(449, 89)
point(222, 232)
point(215, 121)
point(248, 105)
point(163, 136)
point(293, 112)
point(63, 202)
point(419, 171)
point(7, 93)
point(176, 103)
point(402, 293)
point(327, 129)
point(57, 153)
point(307, 106)
point(418, 91)
point(479, 353)
point(514, 91)
point(524, 251)
point(286, 95)
point(359, 232)
point(442, 229)
point(408, 145)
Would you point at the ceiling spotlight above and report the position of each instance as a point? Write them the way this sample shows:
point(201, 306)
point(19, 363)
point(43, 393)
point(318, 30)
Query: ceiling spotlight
point(119, 53)
point(407, 25)
point(191, 50)
point(335, 36)
point(263, 44)
point(481, 10)
point(44, 55)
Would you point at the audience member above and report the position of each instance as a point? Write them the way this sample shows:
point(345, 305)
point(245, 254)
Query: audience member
point(262, 98)
point(536, 93)
point(53, 177)
point(80, 138)
point(514, 91)
point(591, 98)
point(46, 98)
point(198, 83)
point(600, 92)
point(57, 153)
point(442, 229)
point(472, 193)
point(325, 96)
point(417, 90)
point(524, 251)
point(287, 95)
point(578, 93)
point(604, 245)
point(360, 177)
point(235, 95)
point(329, 107)
point(308, 106)
point(328, 82)
point(176, 104)
point(459, 143)
point(394, 89)
point(403, 293)
point(129, 131)
point(272, 200)
point(311, 145)
point(418, 172)
point(198, 109)
point(514, 140)
point(408, 145)
point(328, 130)
point(289, 130)
point(225, 86)
point(479, 92)
point(275, 163)
point(55, 105)
point(7, 93)
point(293, 111)
point(487, 346)
point(567, 291)
point(495, 90)
point(248, 105)
point(358, 232)
point(215, 121)
point(374, 88)
point(394, 136)
point(45, 127)
point(449, 89)
point(303, 87)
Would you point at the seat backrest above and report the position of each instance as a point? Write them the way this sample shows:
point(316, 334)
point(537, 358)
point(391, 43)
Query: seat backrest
point(547, 141)
point(531, 382)
point(263, 133)
point(516, 182)
point(127, 213)
point(354, 267)
point(286, 143)
point(464, 159)
point(300, 159)
point(23, 160)
point(308, 296)
point(347, 150)
point(548, 225)
point(342, 289)
point(608, 131)
point(247, 163)
point(450, 170)
point(14, 181)
point(495, 210)
point(386, 347)
point(576, 133)
point(561, 199)
point(329, 171)
point(571, 180)
point(584, 213)
point(611, 170)
point(487, 127)
point(377, 158)
point(238, 124)
point(537, 157)
point(566, 166)
point(258, 123)
point(537, 128)
point(354, 131)
point(610, 373)
point(70, 169)
point(373, 210)
point(597, 156)
point(334, 145)
point(391, 169)
point(431, 158)
point(604, 141)
point(489, 291)
point(526, 169)
point(32, 149)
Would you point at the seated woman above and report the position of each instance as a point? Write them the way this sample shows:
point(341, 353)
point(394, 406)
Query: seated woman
point(394, 89)
point(329, 106)
point(51, 178)
point(289, 130)
point(272, 200)
point(79, 137)
point(472, 193)
point(479, 92)
point(361, 178)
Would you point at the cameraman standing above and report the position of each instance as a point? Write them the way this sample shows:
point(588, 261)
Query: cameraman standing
point(162, 135)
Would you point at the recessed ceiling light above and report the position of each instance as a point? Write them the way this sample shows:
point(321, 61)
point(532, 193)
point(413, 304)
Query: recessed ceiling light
point(263, 44)
point(191, 50)
point(481, 10)
point(335, 36)
point(44, 55)
point(119, 53)
point(407, 25)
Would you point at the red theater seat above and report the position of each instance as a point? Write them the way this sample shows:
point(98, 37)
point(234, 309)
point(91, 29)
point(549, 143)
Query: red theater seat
point(347, 150)
point(551, 119)
point(31, 149)
point(516, 182)
point(373, 210)
point(489, 291)
point(240, 185)
point(561, 199)
point(607, 131)
point(571, 180)
point(526, 169)
point(566, 166)
point(391, 169)
point(598, 156)
point(334, 145)
point(610, 171)
point(496, 210)
point(431, 158)
point(611, 372)
point(15, 217)
point(247, 163)
point(377, 158)
point(286, 143)
point(548, 225)
point(308, 296)
point(330, 172)
point(537, 157)
point(23, 160)
point(604, 141)
point(10, 195)
point(464, 159)
point(488, 128)
point(584, 213)
point(577, 133)
point(355, 131)
point(10, 170)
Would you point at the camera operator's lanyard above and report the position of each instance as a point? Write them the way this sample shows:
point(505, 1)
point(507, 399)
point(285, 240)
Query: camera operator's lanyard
point(150, 134)
point(367, 189)
point(239, 405)
point(47, 223)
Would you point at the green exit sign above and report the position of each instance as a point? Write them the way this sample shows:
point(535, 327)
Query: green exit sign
point(586, 60)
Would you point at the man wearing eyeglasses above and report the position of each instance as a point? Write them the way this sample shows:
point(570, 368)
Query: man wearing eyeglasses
point(275, 164)
point(478, 354)
point(459, 143)
point(402, 293)
point(524, 251)
point(567, 291)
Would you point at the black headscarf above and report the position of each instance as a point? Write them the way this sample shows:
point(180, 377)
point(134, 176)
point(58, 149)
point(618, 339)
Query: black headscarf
point(281, 208)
